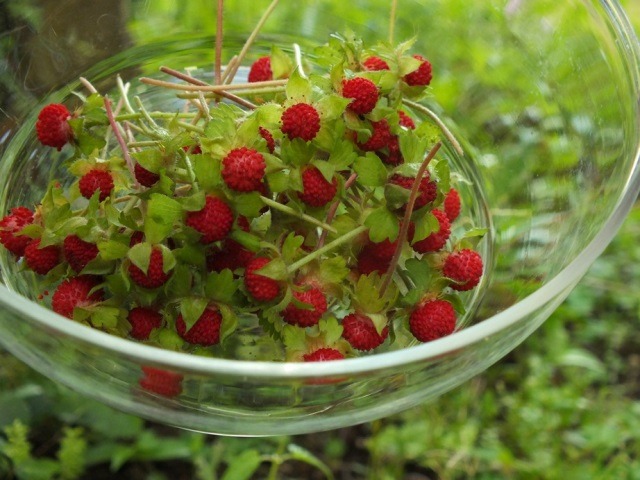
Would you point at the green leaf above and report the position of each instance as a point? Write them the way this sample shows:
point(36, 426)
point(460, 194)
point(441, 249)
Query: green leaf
point(291, 247)
point(191, 308)
point(71, 455)
point(413, 147)
point(243, 465)
point(281, 64)
point(93, 110)
point(407, 65)
point(334, 270)
point(194, 202)
point(105, 317)
point(220, 287)
point(140, 255)
point(332, 106)
point(371, 171)
point(278, 181)
point(162, 214)
point(295, 338)
point(246, 239)
point(383, 224)
point(180, 282)
point(331, 329)
point(168, 339)
point(275, 269)
point(150, 159)
point(304, 455)
point(229, 322)
point(298, 89)
point(425, 225)
point(342, 155)
point(248, 204)
point(193, 254)
point(112, 250)
point(296, 152)
point(326, 169)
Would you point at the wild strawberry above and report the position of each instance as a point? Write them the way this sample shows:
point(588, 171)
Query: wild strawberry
point(375, 63)
point(323, 355)
point(206, 330)
point(305, 317)
point(420, 76)
point(368, 262)
point(432, 320)
point(243, 169)
point(143, 321)
point(317, 192)
point(10, 225)
point(364, 93)
point(380, 137)
point(214, 221)
point(452, 204)
point(95, 180)
point(77, 252)
point(361, 333)
point(301, 121)
point(52, 127)
point(144, 176)
point(136, 238)
point(261, 288)
point(394, 156)
point(260, 70)
point(464, 267)
point(436, 240)
point(192, 149)
point(75, 292)
point(266, 134)
point(163, 382)
point(41, 260)
point(427, 190)
point(230, 255)
point(155, 276)
point(405, 120)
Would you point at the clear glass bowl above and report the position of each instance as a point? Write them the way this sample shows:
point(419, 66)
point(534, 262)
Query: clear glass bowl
point(543, 93)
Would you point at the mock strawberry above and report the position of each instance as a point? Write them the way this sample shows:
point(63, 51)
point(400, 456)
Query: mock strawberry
point(432, 320)
point(323, 355)
point(243, 169)
point(143, 321)
point(230, 255)
point(420, 76)
point(452, 204)
point(163, 382)
point(405, 120)
point(136, 238)
point(301, 121)
point(75, 292)
point(394, 155)
point(155, 276)
point(144, 176)
point(317, 192)
point(375, 63)
point(437, 240)
point(261, 288)
point(41, 260)
point(380, 136)
point(52, 126)
point(260, 70)
point(214, 221)
point(268, 137)
point(428, 190)
point(10, 225)
point(361, 333)
point(77, 252)
point(95, 180)
point(464, 268)
point(206, 330)
point(369, 262)
point(364, 93)
point(303, 317)
point(192, 149)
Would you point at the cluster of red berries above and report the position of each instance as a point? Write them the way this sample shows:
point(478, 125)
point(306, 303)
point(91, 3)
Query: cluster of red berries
point(264, 214)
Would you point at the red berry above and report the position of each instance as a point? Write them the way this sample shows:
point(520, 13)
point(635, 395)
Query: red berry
point(380, 137)
point(155, 275)
point(143, 321)
point(163, 382)
point(452, 204)
point(406, 121)
point(301, 121)
point(144, 176)
point(394, 157)
point(432, 320)
point(361, 333)
point(74, 292)
point(382, 250)
point(260, 70)
point(41, 260)
point(368, 262)
point(375, 63)
point(428, 190)
point(266, 134)
point(136, 238)
point(317, 192)
point(243, 169)
point(206, 330)
point(95, 180)
point(436, 240)
point(420, 76)
point(464, 267)
point(214, 221)
point(261, 288)
point(77, 252)
point(304, 317)
point(10, 225)
point(364, 93)
point(231, 255)
point(192, 149)
point(323, 355)
point(52, 127)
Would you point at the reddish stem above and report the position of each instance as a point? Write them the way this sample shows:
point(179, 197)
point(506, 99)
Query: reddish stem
point(332, 210)
point(120, 138)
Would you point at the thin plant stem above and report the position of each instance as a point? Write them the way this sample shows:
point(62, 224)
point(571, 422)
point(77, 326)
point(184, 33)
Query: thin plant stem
point(247, 92)
point(124, 94)
point(219, 27)
point(120, 139)
point(297, 54)
point(212, 88)
point(250, 40)
point(294, 213)
point(332, 210)
point(88, 85)
point(404, 228)
point(392, 20)
point(228, 68)
point(434, 116)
